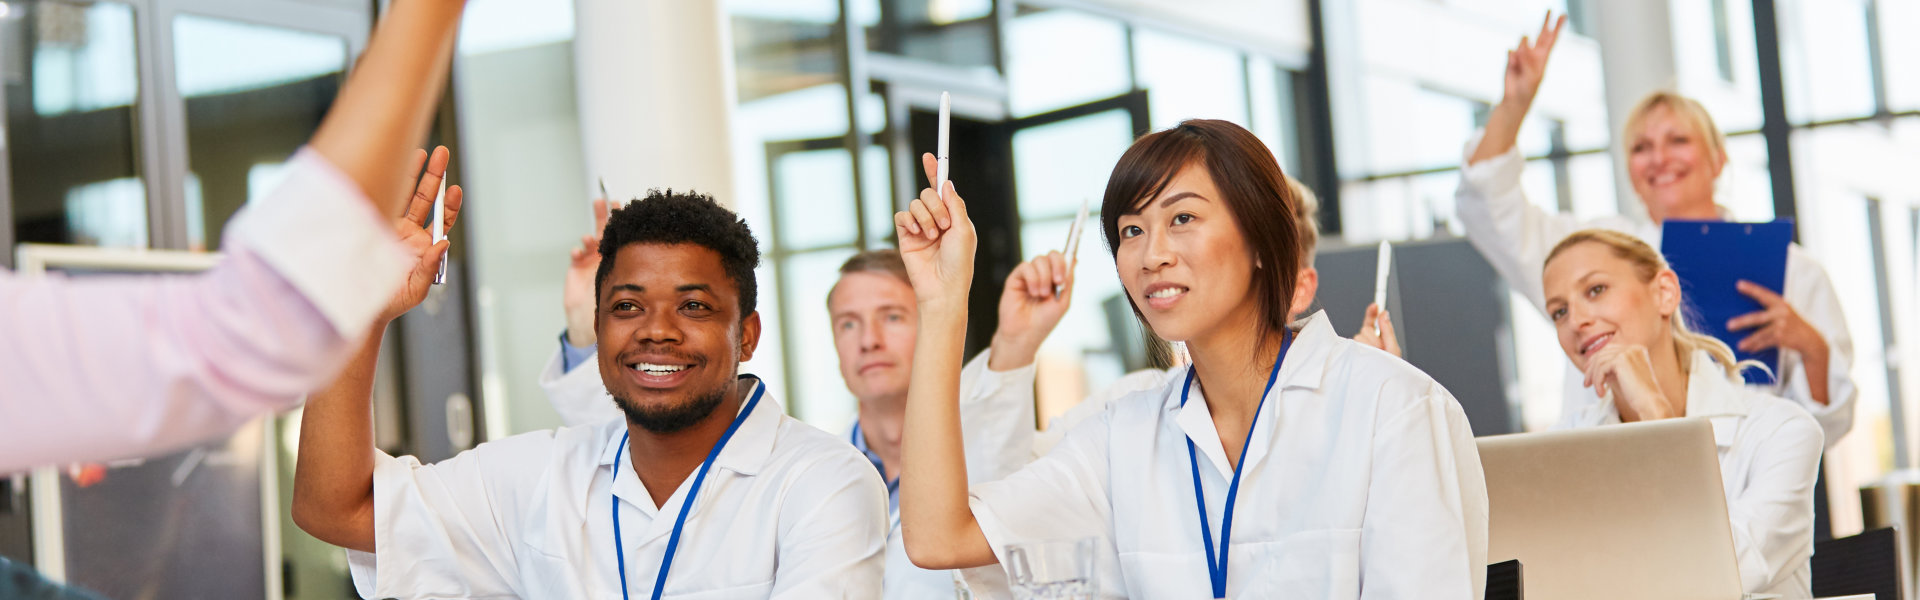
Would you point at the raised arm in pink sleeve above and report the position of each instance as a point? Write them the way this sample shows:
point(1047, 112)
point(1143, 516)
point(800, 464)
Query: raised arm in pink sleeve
point(101, 368)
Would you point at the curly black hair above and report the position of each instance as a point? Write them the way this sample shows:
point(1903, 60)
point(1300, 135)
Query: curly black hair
point(666, 217)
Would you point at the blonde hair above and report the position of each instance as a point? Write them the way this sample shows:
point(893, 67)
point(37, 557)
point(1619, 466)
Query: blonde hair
point(1688, 110)
point(1647, 263)
point(1306, 219)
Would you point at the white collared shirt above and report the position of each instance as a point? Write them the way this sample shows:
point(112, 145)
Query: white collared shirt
point(1515, 236)
point(787, 511)
point(1361, 481)
point(996, 421)
point(1769, 458)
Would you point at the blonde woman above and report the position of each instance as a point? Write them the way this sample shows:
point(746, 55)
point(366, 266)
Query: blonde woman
point(1620, 318)
point(1674, 154)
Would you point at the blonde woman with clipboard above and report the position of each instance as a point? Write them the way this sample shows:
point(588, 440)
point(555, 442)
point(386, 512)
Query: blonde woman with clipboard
point(1674, 154)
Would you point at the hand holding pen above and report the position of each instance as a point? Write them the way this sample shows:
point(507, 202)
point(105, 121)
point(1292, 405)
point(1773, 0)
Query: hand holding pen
point(412, 229)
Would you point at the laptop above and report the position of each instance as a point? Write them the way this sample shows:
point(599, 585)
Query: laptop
point(1620, 511)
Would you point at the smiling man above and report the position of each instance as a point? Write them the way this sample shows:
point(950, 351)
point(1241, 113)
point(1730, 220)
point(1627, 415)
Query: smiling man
point(874, 323)
point(705, 486)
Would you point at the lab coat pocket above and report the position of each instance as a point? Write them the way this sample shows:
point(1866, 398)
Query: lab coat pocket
point(1323, 563)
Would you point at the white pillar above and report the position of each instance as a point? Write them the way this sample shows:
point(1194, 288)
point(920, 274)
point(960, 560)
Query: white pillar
point(655, 82)
point(1637, 57)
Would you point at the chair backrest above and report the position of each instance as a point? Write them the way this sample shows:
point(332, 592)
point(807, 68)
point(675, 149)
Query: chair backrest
point(1503, 581)
point(1868, 563)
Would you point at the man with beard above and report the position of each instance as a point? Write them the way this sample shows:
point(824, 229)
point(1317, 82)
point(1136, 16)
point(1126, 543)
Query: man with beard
point(705, 485)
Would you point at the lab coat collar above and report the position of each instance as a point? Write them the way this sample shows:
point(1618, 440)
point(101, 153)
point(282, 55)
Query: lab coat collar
point(1313, 343)
point(1710, 395)
point(746, 454)
point(1304, 368)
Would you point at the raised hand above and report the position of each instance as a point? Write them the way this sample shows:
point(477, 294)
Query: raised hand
point(412, 231)
point(937, 243)
point(1377, 331)
point(1624, 374)
point(576, 294)
point(1029, 310)
point(1527, 63)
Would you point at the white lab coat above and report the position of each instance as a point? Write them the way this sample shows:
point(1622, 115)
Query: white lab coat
point(1769, 458)
point(996, 422)
point(787, 511)
point(1361, 481)
point(1515, 236)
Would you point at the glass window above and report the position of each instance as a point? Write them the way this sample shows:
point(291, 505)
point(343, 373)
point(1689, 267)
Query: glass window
point(497, 25)
point(84, 59)
point(1410, 127)
point(1058, 165)
point(1061, 58)
point(1716, 60)
point(955, 32)
point(1824, 56)
point(820, 395)
point(1270, 98)
point(876, 167)
point(73, 146)
point(1900, 53)
point(781, 46)
point(1722, 41)
point(1746, 186)
point(1399, 208)
point(813, 196)
point(1592, 184)
point(1188, 79)
point(253, 95)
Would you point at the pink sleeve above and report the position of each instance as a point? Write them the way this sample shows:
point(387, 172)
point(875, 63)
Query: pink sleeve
point(107, 367)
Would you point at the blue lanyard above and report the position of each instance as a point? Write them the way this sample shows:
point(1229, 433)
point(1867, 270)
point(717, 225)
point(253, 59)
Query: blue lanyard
point(673, 542)
point(1217, 567)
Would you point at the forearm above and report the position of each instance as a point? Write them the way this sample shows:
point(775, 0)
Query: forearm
point(934, 518)
point(391, 97)
point(333, 479)
point(1011, 351)
point(1817, 360)
point(1502, 131)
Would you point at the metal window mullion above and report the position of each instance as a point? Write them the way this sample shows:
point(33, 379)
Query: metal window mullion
point(853, 49)
point(1877, 211)
point(1773, 101)
point(163, 143)
point(1325, 179)
point(351, 23)
point(6, 191)
point(1876, 60)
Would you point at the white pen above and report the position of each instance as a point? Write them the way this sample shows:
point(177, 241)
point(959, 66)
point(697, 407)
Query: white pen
point(1074, 234)
point(1380, 280)
point(940, 152)
point(440, 227)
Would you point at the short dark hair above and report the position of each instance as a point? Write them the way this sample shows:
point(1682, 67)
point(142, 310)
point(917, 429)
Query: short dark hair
point(667, 217)
point(1255, 190)
point(885, 261)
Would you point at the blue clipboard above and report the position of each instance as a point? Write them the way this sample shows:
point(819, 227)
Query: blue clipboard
point(1711, 257)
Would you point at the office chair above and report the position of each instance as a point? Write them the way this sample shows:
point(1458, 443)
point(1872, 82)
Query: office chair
point(1503, 581)
point(1868, 563)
